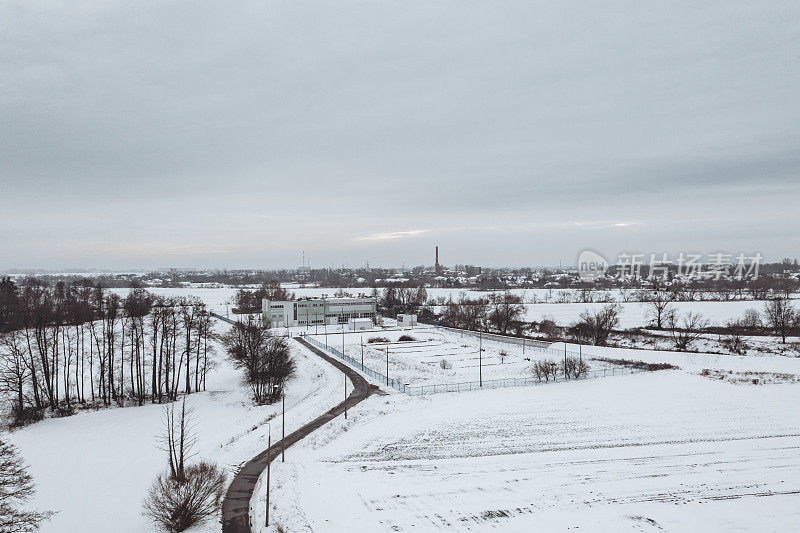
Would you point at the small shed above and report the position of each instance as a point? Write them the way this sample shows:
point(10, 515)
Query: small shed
point(406, 320)
point(360, 324)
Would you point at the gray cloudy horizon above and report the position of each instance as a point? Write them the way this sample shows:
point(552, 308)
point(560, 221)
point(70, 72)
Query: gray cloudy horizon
point(185, 134)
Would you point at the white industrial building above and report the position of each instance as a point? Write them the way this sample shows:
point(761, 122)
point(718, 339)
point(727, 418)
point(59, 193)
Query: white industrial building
point(318, 311)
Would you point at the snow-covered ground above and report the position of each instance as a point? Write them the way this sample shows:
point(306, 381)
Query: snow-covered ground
point(649, 452)
point(95, 468)
point(677, 450)
point(696, 362)
point(637, 314)
point(634, 314)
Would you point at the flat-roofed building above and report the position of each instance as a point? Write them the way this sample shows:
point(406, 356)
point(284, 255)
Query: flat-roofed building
point(406, 320)
point(317, 311)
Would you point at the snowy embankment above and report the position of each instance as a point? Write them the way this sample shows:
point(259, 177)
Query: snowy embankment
point(696, 362)
point(666, 450)
point(95, 468)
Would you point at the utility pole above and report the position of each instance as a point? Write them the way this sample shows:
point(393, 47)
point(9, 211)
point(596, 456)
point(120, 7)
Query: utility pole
point(387, 364)
point(362, 353)
point(345, 396)
point(565, 359)
point(283, 428)
point(480, 358)
point(269, 453)
point(342, 340)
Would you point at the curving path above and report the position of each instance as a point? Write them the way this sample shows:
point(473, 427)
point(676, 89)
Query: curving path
point(236, 506)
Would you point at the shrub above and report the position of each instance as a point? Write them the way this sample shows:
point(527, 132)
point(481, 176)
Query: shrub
point(574, 367)
point(177, 505)
point(636, 364)
point(548, 327)
point(377, 339)
point(544, 369)
point(444, 364)
point(406, 338)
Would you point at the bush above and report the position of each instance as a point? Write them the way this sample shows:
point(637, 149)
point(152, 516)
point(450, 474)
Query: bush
point(574, 367)
point(377, 339)
point(548, 327)
point(650, 367)
point(444, 364)
point(406, 338)
point(177, 505)
point(544, 369)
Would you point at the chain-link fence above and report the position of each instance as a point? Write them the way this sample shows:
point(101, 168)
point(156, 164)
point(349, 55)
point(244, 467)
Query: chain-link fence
point(419, 390)
point(377, 376)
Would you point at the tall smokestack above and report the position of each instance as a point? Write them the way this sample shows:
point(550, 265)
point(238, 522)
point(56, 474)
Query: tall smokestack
point(437, 260)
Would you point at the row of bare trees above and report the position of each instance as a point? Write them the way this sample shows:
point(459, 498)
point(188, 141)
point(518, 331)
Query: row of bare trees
point(501, 312)
point(66, 346)
point(249, 301)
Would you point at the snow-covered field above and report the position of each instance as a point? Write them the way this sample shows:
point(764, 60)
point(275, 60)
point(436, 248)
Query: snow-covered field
point(95, 468)
point(649, 452)
point(634, 314)
point(673, 450)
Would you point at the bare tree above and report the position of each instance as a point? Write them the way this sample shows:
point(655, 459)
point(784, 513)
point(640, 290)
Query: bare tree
point(598, 325)
point(779, 314)
point(265, 359)
point(751, 319)
point(186, 494)
point(178, 438)
point(14, 372)
point(505, 310)
point(686, 330)
point(659, 308)
point(16, 488)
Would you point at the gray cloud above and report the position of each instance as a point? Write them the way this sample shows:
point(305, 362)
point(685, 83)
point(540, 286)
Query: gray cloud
point(207, 134)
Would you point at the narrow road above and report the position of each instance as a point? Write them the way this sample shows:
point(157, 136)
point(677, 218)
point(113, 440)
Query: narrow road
point(236, 506)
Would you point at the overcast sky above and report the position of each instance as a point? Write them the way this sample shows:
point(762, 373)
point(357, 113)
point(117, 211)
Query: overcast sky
point(236, 134)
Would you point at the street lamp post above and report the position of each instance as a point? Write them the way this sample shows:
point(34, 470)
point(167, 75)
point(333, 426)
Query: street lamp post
point(269, 453)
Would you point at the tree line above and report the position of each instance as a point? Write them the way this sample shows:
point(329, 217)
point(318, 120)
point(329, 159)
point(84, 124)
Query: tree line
point(71, 345)
point(249, 301)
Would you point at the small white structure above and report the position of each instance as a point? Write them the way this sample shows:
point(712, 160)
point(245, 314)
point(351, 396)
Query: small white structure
point(406, 320)
point(360, 324)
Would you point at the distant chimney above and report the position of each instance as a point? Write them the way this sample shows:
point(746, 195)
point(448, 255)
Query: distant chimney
point(437, 260)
